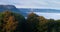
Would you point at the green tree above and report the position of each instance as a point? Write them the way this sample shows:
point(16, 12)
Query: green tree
point(52, 25)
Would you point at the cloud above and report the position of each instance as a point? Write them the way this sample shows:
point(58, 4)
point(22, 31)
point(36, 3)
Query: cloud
point(55, 16)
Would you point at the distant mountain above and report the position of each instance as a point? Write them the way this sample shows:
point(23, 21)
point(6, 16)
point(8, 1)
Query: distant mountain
point(8, 7)
point(47, 10)
point(25, 11)
point(39, 10)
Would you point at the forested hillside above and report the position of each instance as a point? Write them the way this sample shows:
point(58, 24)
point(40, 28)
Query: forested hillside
point(14, 22)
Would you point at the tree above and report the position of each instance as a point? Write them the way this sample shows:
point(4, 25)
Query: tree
point(42, 24)
point(32, 23)
point(52, 25)
point(12, 22)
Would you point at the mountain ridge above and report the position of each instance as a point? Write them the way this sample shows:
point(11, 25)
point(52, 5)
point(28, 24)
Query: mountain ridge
point(25, 11)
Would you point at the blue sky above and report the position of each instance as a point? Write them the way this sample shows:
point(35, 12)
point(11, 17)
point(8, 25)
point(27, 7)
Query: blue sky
point(41, 4)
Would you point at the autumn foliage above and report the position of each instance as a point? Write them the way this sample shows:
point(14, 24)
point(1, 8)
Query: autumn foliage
point(9, 22)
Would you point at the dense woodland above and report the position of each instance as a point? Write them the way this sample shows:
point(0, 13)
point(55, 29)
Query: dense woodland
point(15, 22)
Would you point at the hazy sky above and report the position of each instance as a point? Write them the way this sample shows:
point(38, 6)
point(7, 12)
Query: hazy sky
point(54, 4)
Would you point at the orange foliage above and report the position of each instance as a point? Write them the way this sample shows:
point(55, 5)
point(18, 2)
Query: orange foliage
point(42, 20)
point(9, 23)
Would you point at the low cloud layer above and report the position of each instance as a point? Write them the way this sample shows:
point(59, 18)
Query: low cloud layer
point(55, 16)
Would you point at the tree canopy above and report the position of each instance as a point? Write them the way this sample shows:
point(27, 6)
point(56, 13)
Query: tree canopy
point(15, 22)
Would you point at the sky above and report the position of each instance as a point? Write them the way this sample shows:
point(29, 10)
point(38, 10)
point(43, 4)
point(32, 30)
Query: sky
point(49, 4)
point(41, 4)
